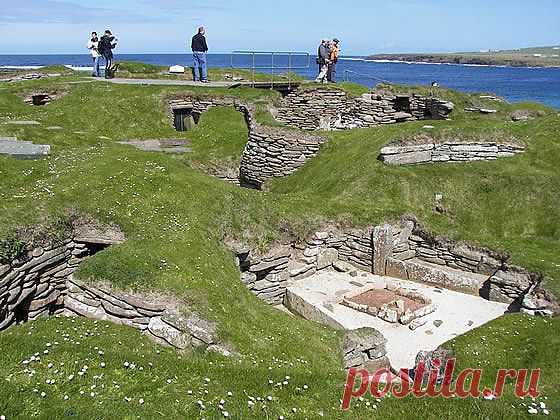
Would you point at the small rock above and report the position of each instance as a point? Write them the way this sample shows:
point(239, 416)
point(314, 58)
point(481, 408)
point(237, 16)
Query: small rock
point(438, 323)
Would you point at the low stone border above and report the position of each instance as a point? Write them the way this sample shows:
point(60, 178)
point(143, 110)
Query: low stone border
point(392, 312)
point(447, 152)
point(163, 322)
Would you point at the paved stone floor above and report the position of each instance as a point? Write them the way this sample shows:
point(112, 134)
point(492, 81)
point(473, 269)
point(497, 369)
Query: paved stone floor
point(316, 298)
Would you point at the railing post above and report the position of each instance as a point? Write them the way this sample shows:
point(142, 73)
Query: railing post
point(289, 71)
point(253, 72)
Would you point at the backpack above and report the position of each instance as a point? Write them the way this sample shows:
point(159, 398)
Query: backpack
point(104, 45)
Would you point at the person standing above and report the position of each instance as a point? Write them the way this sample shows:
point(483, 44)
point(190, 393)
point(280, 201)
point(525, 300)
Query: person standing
point(335, 52)
point(199, 49)
point(92, 46)
point(323, 59)
point(106, 46)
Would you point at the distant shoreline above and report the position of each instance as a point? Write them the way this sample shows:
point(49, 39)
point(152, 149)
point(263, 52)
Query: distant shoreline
point(481, 59)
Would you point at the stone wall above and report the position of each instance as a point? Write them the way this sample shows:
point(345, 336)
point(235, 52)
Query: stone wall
point(452, 151)
point(41, 283)
point(34, 286)
point(275, 152)
point(159, 320)
point(270, 151)
point(330, 109)
point(403, 251)
point(420, 257)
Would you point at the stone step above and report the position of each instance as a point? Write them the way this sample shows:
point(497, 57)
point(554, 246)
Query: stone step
point(424, 272)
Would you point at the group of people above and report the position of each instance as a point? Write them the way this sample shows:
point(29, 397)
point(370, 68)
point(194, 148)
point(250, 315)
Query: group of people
point(102, 48)
point(327, 57)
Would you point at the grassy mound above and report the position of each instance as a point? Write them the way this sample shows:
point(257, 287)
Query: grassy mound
point(176, 219)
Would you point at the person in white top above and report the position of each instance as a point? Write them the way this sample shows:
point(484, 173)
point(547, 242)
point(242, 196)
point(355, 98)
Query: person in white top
point(93, 45)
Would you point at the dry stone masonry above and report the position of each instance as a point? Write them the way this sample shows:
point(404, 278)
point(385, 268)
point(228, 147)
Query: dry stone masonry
point(41, 283)
point(159, 321)
point(270, 151)
point(430, 151)
point(402, 251)
point(365, 348)
point(332, 109)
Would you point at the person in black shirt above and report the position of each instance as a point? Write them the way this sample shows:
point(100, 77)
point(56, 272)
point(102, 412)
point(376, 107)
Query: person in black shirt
point(199, 49)
point(105, 47)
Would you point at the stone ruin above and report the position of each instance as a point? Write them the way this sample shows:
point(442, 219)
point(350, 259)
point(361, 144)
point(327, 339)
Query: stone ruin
point(332, 109)
point(425, 149)
point(401, 251)
point(270, 151)
point(41, 283)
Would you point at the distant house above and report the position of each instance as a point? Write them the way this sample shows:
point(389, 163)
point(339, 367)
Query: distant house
point(537, 55)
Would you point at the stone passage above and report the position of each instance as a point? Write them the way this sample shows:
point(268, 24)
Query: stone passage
point(330, 109)
point(34, 286)
point(270, 151)
point(365, 348)
point(20, 149)
point(427, 150)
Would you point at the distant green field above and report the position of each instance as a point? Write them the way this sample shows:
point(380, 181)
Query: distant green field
point(525, 57)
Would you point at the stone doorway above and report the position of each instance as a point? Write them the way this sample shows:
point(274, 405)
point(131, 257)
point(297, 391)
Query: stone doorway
point(185, 119)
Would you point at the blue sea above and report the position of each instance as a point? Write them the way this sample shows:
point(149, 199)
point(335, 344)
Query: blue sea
point(514, 84)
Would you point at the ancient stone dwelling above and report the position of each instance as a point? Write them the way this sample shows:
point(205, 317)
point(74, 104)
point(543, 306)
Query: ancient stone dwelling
point(331, 109)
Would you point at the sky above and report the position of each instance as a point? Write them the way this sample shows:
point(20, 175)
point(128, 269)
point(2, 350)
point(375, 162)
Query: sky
point(364, 26)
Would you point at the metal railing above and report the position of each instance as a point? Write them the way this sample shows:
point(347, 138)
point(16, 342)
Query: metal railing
point(348, 77)
point(257, 60)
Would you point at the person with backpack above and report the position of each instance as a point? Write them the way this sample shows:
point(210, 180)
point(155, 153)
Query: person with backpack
point(335, 52)
point(106, 46)
point(93, 45)
point(323, 59)
point(199, 49)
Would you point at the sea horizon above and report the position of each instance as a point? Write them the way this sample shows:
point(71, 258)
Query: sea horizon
point(515, 84)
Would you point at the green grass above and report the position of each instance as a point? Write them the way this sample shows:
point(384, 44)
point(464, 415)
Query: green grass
point(172, 211)
point(137, 70)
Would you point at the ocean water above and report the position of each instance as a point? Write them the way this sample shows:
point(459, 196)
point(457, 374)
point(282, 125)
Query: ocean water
point(514, 84)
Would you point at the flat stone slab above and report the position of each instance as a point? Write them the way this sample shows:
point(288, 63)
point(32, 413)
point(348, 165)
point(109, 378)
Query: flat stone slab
point(160, 145)
point(22, 122)
point(317, 298)
point(23, 149)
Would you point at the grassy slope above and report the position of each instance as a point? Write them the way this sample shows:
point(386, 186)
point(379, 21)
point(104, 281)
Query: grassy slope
point(176, 218)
